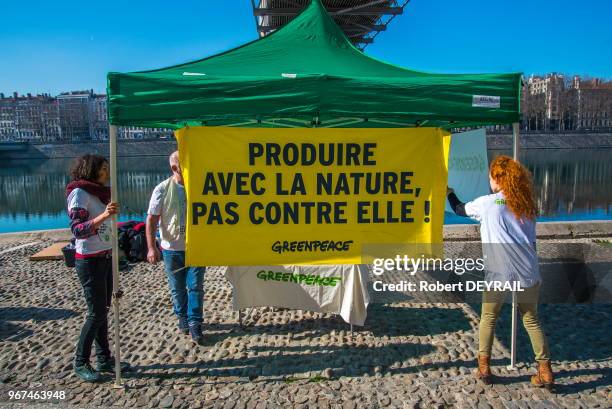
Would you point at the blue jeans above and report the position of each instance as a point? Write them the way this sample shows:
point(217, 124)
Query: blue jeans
point(186, 286)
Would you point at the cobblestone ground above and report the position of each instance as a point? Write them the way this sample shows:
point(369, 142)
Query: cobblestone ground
point(408, 354)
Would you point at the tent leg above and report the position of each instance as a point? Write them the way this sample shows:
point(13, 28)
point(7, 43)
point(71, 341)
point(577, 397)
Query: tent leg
point(513, 332)
point(115, 254)
point(516, 141)
point(515, 155)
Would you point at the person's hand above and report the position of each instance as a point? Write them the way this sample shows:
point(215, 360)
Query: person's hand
point(449, 190)
point(153, 255)
point(111, 209)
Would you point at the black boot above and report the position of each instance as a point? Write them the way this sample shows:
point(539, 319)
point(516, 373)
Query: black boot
point(86, 372)
point(183, 325)
point(195, 330)
point(108, 365)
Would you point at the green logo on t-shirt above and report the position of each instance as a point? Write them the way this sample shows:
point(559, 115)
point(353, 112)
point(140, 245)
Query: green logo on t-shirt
point(500, 201)
point(307, 279)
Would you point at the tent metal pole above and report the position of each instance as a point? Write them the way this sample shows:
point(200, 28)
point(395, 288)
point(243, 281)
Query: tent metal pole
point(516, 141)
point(115, 254)
point(515, 154)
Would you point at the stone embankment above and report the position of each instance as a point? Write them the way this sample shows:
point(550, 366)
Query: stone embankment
point(165, 147)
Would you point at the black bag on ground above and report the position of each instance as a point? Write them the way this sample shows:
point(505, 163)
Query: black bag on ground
point(133, 240)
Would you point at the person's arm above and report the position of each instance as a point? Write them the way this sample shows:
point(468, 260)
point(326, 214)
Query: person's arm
point(83, 228)
point(153, 255)
point(80, 225)
point(457, 205)
point(153, 215)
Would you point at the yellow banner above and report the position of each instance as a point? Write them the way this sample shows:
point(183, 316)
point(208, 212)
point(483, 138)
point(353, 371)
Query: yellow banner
point(271, 196)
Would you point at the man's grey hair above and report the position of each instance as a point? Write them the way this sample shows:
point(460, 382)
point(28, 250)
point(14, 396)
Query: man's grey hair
point(174, 159)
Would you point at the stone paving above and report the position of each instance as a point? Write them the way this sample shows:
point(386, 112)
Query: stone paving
point(408, 355)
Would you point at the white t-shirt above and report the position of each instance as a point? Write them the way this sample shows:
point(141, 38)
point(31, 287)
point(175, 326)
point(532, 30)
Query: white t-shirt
point(156, 208)
point(508, 243)
point(101, 240)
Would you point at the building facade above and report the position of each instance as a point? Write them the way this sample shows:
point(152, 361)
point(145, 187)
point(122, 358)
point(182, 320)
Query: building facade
point(592, 104)
point(76, 116)
point(28, 117)
point(8, 127)
point(100, 119)
point(558, 103)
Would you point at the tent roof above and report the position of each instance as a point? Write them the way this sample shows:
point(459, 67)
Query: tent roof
point(307, 69)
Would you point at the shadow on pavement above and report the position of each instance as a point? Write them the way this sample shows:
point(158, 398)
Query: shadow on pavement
point(9, 331)
point(574, 332)
point(288, 361)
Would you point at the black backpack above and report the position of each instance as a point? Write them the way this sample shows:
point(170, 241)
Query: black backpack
point(133, 240)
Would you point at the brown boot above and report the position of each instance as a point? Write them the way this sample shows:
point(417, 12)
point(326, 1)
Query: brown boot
point(544, 377)
point(484, 370)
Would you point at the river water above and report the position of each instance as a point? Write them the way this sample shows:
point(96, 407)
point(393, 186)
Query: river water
point(569, 185)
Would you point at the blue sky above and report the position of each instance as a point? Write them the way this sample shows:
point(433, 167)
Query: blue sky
point(67, 45)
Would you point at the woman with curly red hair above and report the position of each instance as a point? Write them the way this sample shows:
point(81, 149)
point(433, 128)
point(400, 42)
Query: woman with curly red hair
point(507, 227)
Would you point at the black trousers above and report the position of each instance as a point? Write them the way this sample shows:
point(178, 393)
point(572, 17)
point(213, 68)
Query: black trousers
point(96, 277)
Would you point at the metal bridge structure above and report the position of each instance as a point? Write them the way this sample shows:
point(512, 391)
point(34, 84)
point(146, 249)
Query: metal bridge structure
point(361, 20)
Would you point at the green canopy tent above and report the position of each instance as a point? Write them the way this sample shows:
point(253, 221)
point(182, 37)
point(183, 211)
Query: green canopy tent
point(305, 74)
point(307, 69)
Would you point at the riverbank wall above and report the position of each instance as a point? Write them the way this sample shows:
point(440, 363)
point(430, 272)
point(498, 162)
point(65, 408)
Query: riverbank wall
point(552, 141)
point(597, 229)
point(158, 147)
point(72, 150)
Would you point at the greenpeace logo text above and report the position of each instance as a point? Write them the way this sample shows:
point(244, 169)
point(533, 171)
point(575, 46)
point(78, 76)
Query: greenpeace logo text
point(307, 279)
point(311, 245)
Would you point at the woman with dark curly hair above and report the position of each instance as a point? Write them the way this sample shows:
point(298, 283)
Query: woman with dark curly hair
point(90, 209)
point(508, 233)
